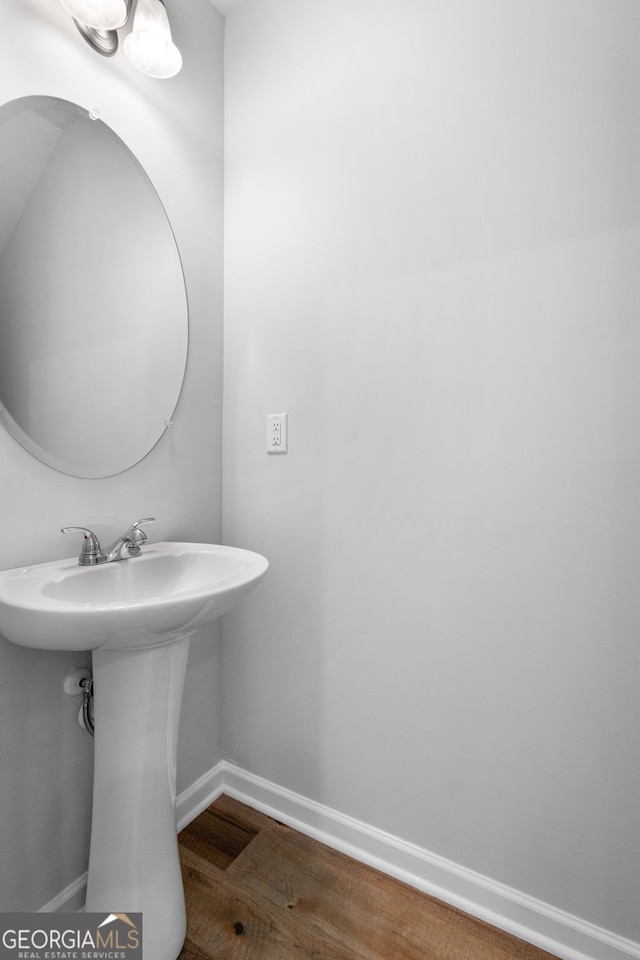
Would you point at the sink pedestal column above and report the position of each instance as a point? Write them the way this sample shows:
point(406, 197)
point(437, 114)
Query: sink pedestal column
point(133, 864)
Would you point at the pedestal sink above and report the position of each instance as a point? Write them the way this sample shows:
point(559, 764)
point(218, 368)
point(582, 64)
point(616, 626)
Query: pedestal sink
point(137, 616)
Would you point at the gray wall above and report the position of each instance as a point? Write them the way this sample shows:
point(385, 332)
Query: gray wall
point(174, 128)
point(432, 216)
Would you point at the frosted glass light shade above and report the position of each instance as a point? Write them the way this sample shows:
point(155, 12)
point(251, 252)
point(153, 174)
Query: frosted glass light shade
point(149, 46)
point(98, 14)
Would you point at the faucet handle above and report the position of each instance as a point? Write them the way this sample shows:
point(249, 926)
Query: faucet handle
point(137, 535)
point(91, 552)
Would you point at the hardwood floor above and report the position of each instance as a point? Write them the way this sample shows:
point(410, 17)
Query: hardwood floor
point(258, 890)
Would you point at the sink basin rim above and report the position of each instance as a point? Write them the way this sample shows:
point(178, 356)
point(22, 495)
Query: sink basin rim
point(32, 615)
point(44, 578)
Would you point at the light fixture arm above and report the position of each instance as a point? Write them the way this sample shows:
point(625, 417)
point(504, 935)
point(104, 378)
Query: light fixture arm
point(104, 42)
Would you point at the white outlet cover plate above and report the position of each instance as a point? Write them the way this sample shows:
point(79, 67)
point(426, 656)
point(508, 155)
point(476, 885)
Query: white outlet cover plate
point(277, 433)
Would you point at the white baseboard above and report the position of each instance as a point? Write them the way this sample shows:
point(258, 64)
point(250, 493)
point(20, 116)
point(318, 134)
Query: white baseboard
point(69, 900)
point(201, 794)
point(532, 920)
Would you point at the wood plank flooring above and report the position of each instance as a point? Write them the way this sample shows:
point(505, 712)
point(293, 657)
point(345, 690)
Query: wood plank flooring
point(258, 890)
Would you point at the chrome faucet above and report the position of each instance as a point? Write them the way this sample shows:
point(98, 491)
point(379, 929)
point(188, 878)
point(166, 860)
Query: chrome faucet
point(127, 545)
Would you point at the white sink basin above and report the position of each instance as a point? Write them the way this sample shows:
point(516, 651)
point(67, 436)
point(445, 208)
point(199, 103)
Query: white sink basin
point(133, 603)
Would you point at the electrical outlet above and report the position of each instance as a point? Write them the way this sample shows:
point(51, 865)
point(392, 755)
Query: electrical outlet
point(276, 433)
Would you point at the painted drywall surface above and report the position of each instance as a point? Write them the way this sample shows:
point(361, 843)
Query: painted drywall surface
point(175, 129)
point(432, 236)
point(226, 6)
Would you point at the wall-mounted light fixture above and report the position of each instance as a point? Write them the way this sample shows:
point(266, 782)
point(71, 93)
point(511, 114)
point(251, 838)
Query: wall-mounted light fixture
point(148, 47)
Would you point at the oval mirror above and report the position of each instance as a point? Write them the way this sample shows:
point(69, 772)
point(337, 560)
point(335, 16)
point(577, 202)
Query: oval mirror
point(93, 308)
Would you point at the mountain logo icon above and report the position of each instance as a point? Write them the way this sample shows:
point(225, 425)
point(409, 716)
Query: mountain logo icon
point(117, 916)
